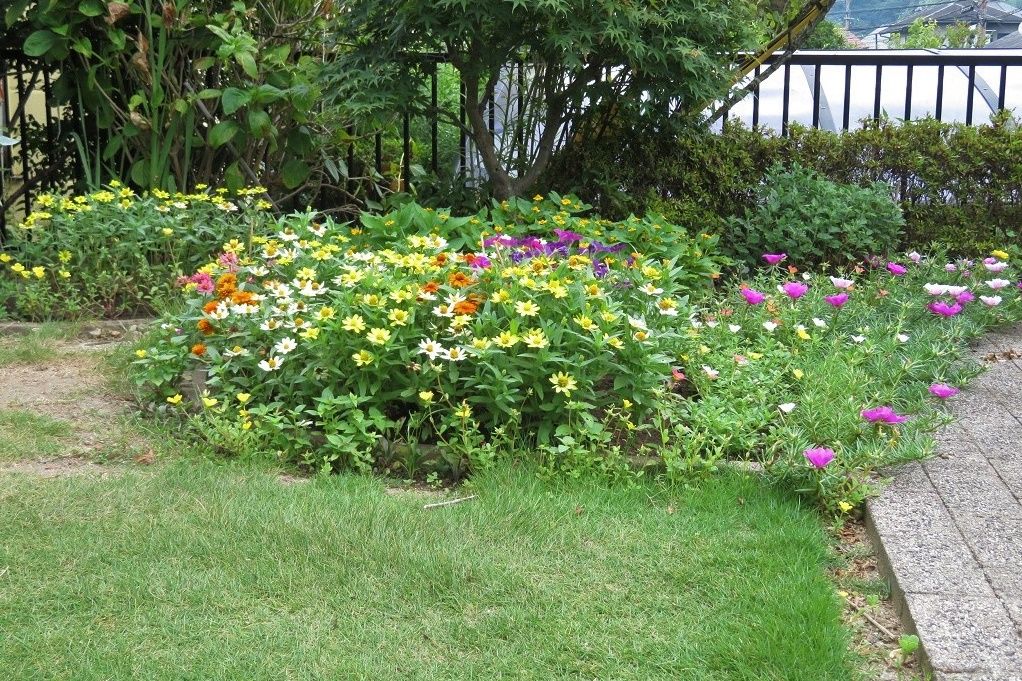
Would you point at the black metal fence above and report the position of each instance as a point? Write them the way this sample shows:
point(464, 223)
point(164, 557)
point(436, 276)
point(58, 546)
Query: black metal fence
point(894, 80)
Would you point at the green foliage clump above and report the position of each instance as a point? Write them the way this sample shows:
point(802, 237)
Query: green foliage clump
point(113, 253)
point(815, 220)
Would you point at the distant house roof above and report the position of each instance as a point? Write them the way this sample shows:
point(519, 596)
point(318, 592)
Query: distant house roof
point(950, 13)
point(1012, 41)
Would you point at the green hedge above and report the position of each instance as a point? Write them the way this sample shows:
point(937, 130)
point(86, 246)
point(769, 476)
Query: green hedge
point(959, 186)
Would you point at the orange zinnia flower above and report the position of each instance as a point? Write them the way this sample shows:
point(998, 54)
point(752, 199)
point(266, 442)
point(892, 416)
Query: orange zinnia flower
point(198, 349)
point(440, 260)
point(459, 280)
point(210, 307)
point(226, 285)
point(205, 326)
point(465, 307)
point(241, 297)
point(431, 287)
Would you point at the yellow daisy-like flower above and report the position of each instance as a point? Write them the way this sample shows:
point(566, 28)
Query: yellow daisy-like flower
point(608, 316)
point(64, 274)
point(426, 396)
point(176, 399)
point(167, 231)
point(536, 339)
point(378, 336)
point(585, 323)
point(463, 411)
point(537, 197)
point(613, 341)
point(481, 343)
point(507, 339)
point(399, 317)
point(310, 333)
point(4, 258)
point(140, 354)
point(243, 397)
point(527, 308)
point(798, 374)
point(39, 272)
point(64, 256)
point(354, 323)
point(845, 506)
point(362, 358)
point(210, 402)
point(563, 383)
point(802, 333)
point(641, 336)
point(502, 296)
point(325, 313)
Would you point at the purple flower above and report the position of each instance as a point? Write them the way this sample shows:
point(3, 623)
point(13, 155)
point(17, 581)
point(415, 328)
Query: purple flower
point(600, 269)
point(896, 269)
point(915, 257)
point(943, 390)
point(837, 300)
point(480, 262)
point(965, 297)
point(793, 289)
point(883, 414)
point(752, 296)
point(944, 309)
point(774, 258)
point(567, 237)
point(819, 457)
point(950, 267)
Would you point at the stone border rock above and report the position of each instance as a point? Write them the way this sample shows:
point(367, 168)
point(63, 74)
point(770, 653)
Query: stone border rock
point(96, 330)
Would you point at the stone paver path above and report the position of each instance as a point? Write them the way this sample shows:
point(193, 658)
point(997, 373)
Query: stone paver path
point(951, 528)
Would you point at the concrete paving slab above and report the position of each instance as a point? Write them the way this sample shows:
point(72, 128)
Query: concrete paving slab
point(976, 635)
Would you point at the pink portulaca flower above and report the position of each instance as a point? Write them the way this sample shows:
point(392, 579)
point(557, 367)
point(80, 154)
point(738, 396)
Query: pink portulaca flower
point(991, 301)
point(943, 390)
point(996, 284)
point(840, 283)
point(936, 289)
point(950, 267)
point(915, 257)
point(794, 289)
point(995, 266)
point(896, 269)
point(837, 300)
point(884, 414)
point(752, 296)
point(944, 309)
point(774, 258)
point(819, 457)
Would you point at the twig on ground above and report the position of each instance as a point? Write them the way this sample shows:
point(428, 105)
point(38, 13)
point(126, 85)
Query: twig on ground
point(887, 632)
point(449, 502)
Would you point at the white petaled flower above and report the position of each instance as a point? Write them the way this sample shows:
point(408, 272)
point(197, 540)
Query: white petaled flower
point(936, 289)
point(312, 289)
point(637, 323)
point(430, 348)
point(991, 301)
point(841, 283)
point(455, 354)
point(696, 324)
point(318, 230)
point(270, 364)
point(270, 325)
point(955, 290)
point(222, 311)
point(995, 266)
point(902, 338)
point(444, 310)
point(710, 372)
point(787, 407)
point(288, 234)
point(455, 298)
point(236, 351)
point(819, 323)
point(997, 284)
point(769, 326)
point(711, 324)
point(858, 339)
point(258, 271)
point(806, 276)
point(734, 328)
point(650, 289)
point(244, 309)
point(285, 345)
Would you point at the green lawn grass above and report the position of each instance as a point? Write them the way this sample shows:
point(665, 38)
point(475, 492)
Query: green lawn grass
point(203, 571)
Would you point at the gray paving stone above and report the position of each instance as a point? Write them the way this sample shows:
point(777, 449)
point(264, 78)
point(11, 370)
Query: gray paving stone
point(972, 487)
point(923, 546)
point(967, 635)
point(993, 539)
point(1010, 470)
point(1014, 606)
point(994, 430)
point(910, 477)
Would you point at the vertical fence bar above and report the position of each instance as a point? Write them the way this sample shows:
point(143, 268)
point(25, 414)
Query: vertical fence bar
point(462, 138)
point(940, 93)
point(1003, 89)
point(378, 152)
point(816, 95)
point(50, 142)
point(26, 166)
point(521, 152)
point(786, 99)
point(876, 92)
point(349, 183)
point(755, 101)
point(970, 98)
point(434, 132)
point(406, 151)
point(908, 93)
point(846, 105)
point(4, 118)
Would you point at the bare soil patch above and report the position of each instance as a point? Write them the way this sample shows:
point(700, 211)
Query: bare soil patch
point(60, 467)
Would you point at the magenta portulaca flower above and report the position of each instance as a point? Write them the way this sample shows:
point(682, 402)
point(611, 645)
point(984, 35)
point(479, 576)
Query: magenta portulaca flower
point(896, 269)
point(819, 457)
point(943, 390)
point(965, 297)
point(944, 309)
point(752, 296)
point(884, 414)
point(774, 258)
point(793, 289)
point(837, 300)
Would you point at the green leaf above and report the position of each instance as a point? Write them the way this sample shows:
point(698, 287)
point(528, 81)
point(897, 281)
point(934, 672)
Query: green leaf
point(233, 99)
point(40, 42)
point(15, 11)
point(247, 63)
point(233, 177)
point(259, 123)
point(91, 8)
point(295, 172)
point(222, 133)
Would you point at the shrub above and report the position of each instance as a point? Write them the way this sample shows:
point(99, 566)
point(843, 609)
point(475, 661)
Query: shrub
point(421, 334)
point(113, 253)
point(814, 220)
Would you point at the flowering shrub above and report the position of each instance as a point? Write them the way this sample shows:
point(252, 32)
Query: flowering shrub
point(112, 252)
point(345, 346)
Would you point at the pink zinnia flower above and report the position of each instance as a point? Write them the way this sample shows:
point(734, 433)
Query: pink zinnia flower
point(774, 258)
point(837, 300)
point(752, 296)
point(944, 309)
point(819, 457)
point(896, 269)
point(793, 289)
point(883, 414)
point(943, 390)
